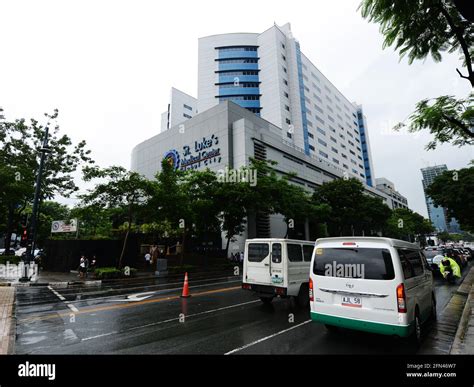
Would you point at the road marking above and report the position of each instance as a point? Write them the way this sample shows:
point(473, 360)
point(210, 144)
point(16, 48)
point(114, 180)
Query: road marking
point(136, 297)
point(56, 293)
point(267, 338)
point(129, 305)
point(169, 320)
point(68, 304)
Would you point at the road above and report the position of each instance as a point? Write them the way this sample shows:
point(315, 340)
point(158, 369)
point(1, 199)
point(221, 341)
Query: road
point(146, 316)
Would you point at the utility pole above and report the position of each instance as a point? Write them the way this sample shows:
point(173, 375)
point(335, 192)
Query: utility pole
point(31, 245)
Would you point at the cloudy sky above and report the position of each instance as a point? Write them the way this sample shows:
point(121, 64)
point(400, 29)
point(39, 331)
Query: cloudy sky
point(108, 67)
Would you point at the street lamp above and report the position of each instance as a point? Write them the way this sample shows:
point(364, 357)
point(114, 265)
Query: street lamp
point(31, 245)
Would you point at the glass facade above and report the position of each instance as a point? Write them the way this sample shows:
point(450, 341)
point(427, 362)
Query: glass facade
point(238, 79)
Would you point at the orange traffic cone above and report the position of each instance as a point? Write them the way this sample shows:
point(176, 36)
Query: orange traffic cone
point(185, 287)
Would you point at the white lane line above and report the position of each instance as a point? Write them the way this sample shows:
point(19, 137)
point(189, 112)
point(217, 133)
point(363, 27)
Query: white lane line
point(68, 304)
point(169, 320)
point(266, 338)
point(56, 293)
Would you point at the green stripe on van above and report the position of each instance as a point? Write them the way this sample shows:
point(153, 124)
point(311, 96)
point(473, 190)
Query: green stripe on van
point(383, 329)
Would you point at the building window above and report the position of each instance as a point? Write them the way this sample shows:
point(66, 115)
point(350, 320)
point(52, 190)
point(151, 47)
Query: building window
point(286, 94)
point(311, 147)
point(310, 135)
point(284, 57)
point(288, 135)
point(287, 108)
point(285, 82)
point(325, 155)
point(285, 70)
point(322, 142)
point(187, 115)
point(188, 107)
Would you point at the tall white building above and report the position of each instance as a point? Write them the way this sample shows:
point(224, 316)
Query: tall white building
point(268, 74)
point(181, 107)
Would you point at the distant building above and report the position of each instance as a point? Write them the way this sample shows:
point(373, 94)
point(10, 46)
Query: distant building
point(438, 215)
point(394, 198)
point(181, 107)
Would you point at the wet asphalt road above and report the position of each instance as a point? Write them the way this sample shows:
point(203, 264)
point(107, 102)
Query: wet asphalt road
point(146, 316)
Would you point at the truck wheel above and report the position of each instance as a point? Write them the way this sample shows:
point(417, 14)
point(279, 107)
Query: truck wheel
point(303, 296)
point(266, 300)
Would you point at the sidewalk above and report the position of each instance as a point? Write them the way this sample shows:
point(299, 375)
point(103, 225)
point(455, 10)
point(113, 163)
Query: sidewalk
point(7, 324)
point(464, 340)
point(445, 336)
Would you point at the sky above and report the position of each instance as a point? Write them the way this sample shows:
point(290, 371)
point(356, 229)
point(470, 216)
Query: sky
point(108, 67)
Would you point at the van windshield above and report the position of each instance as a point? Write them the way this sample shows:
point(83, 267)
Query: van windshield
point(366, 263)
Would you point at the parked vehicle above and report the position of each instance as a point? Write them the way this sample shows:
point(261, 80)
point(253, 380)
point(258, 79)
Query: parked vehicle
point(433, 256)
point(458, 256)
point(277, 267)
point(371, 284)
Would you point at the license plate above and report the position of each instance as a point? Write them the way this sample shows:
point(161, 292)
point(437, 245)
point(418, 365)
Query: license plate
point(354, 302)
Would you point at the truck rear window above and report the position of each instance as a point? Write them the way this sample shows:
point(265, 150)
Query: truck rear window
point(257, 252)
point(367, 263)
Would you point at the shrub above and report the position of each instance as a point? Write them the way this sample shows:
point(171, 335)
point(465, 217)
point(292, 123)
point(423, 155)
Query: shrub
point(113, 272)
point(13, 259)
point(182, 269)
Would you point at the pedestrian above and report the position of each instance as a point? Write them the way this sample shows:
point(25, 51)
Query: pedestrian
point(93, 264)
point(147, 260)
point(87, 266)
point(82, 267)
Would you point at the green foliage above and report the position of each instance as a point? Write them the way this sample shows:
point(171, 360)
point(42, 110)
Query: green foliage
point(419, 28)
point(113, 272)
point(449, 120)
point(182, 269)
point(120, 188)
point(12, 259)
point(453, 190)
point(19, 160)
point(351, 211)
point(405, 224)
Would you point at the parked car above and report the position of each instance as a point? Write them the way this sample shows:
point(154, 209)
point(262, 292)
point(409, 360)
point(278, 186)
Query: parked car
point(433, 256)
point(394, 296)
point(277, 267)
point(460, 257)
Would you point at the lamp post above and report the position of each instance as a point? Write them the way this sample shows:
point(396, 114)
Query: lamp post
point(31, 245)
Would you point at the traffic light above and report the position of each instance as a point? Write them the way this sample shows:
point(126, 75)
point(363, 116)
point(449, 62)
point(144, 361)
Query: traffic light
point(24, 237)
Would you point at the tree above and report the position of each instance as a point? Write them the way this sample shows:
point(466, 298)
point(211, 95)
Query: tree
point(49, 211)
point(423, 27)
point(20, 141)
point(118, 188)
point(447, 119)
point(453, 190)
point(344, 197)
point(419, 28)
point(406, 224)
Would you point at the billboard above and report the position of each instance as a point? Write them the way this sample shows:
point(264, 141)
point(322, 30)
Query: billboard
point(64, 226)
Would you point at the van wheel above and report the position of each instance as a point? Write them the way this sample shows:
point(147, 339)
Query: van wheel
point(434, 315)
point(331, 328)
point(266, 300)
point(417, 334)
point(303, 296)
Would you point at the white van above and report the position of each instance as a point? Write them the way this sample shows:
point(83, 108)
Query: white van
point(277, 267)
point(371, 284)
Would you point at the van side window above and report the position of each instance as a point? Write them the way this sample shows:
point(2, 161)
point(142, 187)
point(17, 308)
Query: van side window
point(294, 253)
point(308, 252)
point(406, 265)
point(257, 252)
point(276, 252)
point(413, 266)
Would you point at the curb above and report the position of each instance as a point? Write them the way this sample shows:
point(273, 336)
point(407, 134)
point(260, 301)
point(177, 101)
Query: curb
point(440, 340)
point(458, 347)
